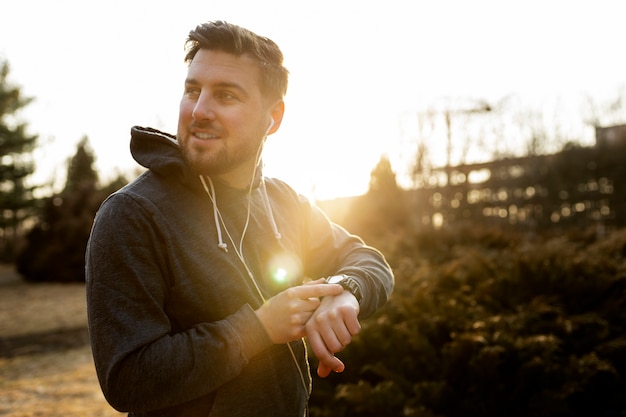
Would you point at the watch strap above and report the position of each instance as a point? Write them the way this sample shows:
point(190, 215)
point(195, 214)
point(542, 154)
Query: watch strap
point(348, 283)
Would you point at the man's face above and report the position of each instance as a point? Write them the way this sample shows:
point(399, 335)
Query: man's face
point(223, 116)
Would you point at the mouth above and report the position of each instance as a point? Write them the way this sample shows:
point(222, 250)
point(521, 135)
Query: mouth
point(204, 135)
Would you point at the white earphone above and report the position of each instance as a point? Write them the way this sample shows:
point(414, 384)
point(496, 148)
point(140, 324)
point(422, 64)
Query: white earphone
point(269, 127)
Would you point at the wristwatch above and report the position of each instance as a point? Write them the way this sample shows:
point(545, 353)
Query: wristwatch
point(348, 284)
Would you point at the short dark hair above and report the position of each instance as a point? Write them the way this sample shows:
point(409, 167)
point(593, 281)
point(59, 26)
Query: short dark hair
point(233, 39)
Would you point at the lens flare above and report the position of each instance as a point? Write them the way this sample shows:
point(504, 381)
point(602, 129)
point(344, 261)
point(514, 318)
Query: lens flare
point(285, 270)
point(280, 275)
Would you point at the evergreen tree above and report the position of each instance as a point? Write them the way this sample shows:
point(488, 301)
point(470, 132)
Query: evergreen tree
point(383, 179)
point(80, 170)
point(16, 165)
point(55, 247)
point(384, 210)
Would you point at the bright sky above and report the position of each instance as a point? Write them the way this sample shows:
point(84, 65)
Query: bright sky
point(357, 67)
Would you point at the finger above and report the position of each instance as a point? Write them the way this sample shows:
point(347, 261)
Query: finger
point(352, 325)
point(343, 338)
point(343, 318)
point(310, 304)
point(319, 290)
point(335, 336)
point(299, 319)
point(322, 353)
point(323, 371)
point(311, 282)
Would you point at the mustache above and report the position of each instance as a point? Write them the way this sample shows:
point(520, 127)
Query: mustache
point(203, 125)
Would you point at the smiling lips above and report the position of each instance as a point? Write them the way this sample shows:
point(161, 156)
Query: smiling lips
point(204, 130)
point(205, 135)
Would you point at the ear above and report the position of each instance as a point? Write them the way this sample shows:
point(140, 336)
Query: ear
point(277, 110)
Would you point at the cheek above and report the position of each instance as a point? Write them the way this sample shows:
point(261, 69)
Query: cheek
point(185, 110)
point(184, 119)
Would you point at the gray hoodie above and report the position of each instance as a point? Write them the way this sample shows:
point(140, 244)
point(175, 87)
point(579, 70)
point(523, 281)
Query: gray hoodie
point(171, 297)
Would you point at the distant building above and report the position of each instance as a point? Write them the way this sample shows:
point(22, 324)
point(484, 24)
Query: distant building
point(577, 187)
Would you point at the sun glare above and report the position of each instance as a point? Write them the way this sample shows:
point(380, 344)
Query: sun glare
point(347, 100)
point(285, 269)
point(280, 275)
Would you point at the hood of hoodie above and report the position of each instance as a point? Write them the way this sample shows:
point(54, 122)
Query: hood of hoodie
point(160, 152)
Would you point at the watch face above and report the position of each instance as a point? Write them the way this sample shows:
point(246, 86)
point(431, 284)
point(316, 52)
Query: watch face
point(336, 279)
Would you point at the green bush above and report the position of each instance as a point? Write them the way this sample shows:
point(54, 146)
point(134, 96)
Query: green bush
point(55, 246)
point(487, 323)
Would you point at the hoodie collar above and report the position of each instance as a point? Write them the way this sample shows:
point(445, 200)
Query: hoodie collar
point(160, 152)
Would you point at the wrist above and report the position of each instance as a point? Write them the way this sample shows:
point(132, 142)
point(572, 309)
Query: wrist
point(348, 283)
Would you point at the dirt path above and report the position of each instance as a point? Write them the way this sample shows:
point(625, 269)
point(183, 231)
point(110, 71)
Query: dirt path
point(46, 367)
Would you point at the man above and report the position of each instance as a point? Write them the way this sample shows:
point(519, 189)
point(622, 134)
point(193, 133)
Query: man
point(203, 277)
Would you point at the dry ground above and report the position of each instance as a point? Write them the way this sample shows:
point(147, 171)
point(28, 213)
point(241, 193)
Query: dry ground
point(46, 367)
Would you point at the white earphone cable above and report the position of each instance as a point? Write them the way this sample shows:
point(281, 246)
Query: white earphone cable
point(210, 191)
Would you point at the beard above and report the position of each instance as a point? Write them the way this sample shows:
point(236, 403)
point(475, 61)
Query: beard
point(221, 159)
point(201, 164)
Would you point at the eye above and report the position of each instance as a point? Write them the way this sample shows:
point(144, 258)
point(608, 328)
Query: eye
point(226, 96)
point(192, 92)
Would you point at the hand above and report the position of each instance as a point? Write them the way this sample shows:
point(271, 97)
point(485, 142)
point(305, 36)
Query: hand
point(285, 314)
point(330, 330)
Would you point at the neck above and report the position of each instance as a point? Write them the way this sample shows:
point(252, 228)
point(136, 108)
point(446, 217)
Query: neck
point(242, 177)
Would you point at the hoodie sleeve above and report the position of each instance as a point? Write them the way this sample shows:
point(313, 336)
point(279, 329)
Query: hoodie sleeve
point(329, 249)
point(335, 251)
point(141, 362)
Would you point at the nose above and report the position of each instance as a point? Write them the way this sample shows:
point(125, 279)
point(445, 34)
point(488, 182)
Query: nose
point(203, 109)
